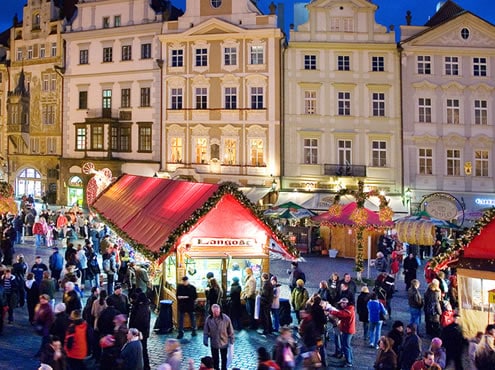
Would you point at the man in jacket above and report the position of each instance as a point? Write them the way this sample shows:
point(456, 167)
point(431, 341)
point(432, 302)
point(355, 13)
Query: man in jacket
point(415, 302)
point(186, 298)
point(249, 296)
point(454, 343)
point(410, 349)
point(266, 303)
point(56, 265)
point(11, 289)
point(109, 267)
point(295, 273)
point(347, 327)
point(218, 328)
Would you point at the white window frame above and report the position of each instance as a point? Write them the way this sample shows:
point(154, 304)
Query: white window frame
point(230, 97)
point(481, 163)
point(107, 54)
point(310, 62)
point(453, 111)
point(480, 67)
point(83, 56)
point(377, 63)
point(379, 153)
point(378, 104)
point(53, 52)
point(425, 161)
point(176, 98)
point(254, 148)
point(126, 52)
point(480, 112)
point(202, 54)
point(230, 56)
point(42, 50)
point(344, 63)
point(176, 58)
point(201, 97)
point(310, 150)
point(257, 97)
point(452, 67)
point(453, 162)
point(310, 101)
point(423, 63)
point(344, 152)
point(343, 103)
point(424, 110)
point(257, 54)
point(228, 157)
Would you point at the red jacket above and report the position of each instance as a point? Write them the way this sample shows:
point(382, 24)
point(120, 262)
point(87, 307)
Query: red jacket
point(347, 318)
point(76, 339)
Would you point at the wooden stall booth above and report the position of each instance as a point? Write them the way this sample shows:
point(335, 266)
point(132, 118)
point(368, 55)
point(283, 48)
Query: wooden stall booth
point(192, 229)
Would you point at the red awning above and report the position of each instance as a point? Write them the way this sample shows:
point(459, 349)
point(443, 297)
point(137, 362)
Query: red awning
point(147, 210)
point(482, 245)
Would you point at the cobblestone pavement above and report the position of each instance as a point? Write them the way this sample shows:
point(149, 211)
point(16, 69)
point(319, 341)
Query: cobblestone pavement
point(18, 343)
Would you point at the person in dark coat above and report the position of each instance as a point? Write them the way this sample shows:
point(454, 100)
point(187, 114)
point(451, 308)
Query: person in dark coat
point(105, 324)
point(131, 355)
point(235, 303)
point(71, 298)
point(61, 322)
point(397, 335)
point(410, 349)
point(432, 308)
point(324, 292)
point(31, 287)
point(454, 343)
point(362, 309)
point(139, 318)
point(186, 298)
point(410, 266)
point(19, 270)
point(11, 291)
point(53, 354)
point(295, 273)
point(266, 303)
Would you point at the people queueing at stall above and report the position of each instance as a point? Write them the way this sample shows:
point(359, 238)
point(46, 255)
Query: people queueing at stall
point(112, 325)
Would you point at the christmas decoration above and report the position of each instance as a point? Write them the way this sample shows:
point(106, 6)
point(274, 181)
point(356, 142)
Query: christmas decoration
point(7, 202)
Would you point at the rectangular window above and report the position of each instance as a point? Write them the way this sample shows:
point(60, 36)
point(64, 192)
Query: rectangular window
point(126, 52)
point(344, 103)
point(201, 98)
point(201, 150)
point(107, 54)
point(144, 138)
point(106, 103)
point(480, 112)
point(125, 98)
point(48, 114)
point(425, 157)
point(344, 63)
point(201, 57)
point(230, 98)
point(424, 64)
point(80, 138)
point(42, 51)
point(453, 111)
point(481, 163)
point(53, 82)
point(54, 49)
point(345, 152)
point(19, 54)
point(176, 98)
point(83, 56)
point(177, 59)
point(146, 51)
point(117, 21)
point(379, 153)
point(256, 98)
point(145, 97)
point(46, 82)
point(310, 151)
point(257, 152)
point(453, 162)
point(479, 67)
point(257, 54)
point(310, 62)
point(120, 138)
point(30, 52)
point(83, 100)
point(424, 109)
point(51, 145)
point(97, 138)
point(310, 102)
point(230, 56)
point(377, 64)
point(230, 151)
point(378, 100)
point(177, 146)
point(106, 22)
point(452, 66)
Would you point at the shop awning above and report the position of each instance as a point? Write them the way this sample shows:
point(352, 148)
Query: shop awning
point(255, 194)
point(156, 215)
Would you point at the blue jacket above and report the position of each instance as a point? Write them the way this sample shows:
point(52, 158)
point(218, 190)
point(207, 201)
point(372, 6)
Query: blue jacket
point(375, 307)
point(56, 261)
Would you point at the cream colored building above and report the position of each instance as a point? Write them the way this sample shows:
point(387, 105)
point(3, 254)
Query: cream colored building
point(342, 104)
point(221, 94)
point(448, 69)
point(34, 101)
point(112, 92)
point(4, 89)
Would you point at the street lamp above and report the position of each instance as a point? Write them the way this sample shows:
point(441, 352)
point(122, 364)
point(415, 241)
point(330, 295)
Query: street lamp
point(408, 194)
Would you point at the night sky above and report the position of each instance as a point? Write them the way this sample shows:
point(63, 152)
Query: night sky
point(389, 12)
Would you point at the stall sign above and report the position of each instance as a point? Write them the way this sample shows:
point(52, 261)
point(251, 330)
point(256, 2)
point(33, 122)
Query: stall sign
point(441, 208)
point(224, 242)
point(485, 202)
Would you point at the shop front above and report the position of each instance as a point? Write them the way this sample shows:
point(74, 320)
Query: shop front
point(191, 229)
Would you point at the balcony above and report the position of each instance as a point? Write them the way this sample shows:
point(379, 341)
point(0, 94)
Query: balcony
point(125, 115)
point(17, 128)
point(349, 170)
point(102, 115)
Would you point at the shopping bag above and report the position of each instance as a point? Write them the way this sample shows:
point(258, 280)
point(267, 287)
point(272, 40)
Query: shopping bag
point(257, 305)
point(230, 355)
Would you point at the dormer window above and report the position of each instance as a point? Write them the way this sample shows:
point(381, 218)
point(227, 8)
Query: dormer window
point(36, 21)
point(216, 3)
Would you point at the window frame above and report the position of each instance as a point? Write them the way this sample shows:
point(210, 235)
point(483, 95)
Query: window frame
point(201, 57)
point(480, 112)
point(230, 56)
point(480, 66)
point(424, 110)
point(343, 63)
point(344, 152)
point(344, 103)
point(126, 51)
point(425, 161)
point(83, 56)
point(310, 102)
point(256, 54)
point(310, 62)
point(230, 97)
point(453, 162)
point(257, 97)
point(107, 54)
point(176, 58)
point(481, 164)
point(423, 65)
point(377, 63)
point(97, 137)
point(451, 65)
point(145, 97)
point(379, 153)
point(81, 137)
point(310, 150)
point(145, 137)
point(83, 99)
point(125, 97)
point(176, 98)
point(146, 50)
point(201, 97)
point(378, 104)
point(453, 111)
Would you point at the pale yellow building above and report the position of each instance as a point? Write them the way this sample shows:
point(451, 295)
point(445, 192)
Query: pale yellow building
point(221, 94)
point(342, 105)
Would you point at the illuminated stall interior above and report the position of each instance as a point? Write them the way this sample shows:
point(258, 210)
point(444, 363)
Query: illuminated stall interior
point(191, 229)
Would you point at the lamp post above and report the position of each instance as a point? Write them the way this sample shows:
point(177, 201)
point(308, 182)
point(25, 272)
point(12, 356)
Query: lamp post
point(408, 194)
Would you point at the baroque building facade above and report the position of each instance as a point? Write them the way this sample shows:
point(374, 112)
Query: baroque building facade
point(448, 118)
point(342, 104)
point(34, 101)
point(221, 94)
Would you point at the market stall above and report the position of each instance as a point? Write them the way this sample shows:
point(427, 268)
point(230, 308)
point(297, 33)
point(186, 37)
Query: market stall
point(473, 256)
point(191, 229)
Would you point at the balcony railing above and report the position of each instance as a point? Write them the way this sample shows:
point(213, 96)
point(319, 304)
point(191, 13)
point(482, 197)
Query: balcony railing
point(342, 170)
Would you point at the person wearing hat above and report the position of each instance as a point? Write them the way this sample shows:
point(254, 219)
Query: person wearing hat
point(235, 306)
point(76, 341)
point(61, 323)
point(347, 327)
point(411, 348)
point(121, 300)
point(397, 335)
point(206, 363)
point(186, 298)
point(454, 342)
point(439, 353)
point(299, 297)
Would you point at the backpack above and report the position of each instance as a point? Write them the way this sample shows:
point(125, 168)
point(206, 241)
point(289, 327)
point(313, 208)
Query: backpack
point(106, 265)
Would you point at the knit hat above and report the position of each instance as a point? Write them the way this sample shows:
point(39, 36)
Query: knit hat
point(207, 361)
point(436, 341)
point(397, 324)
point(300, 282)
point(59, 307)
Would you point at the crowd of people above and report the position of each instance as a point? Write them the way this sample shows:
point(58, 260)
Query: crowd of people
point(110, 327)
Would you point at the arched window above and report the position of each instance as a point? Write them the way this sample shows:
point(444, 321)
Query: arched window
point(29, 182)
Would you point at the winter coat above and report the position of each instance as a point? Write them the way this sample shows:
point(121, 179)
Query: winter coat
point(76, 343)
point(385, 360)
point(249, 291)
point(132, 356)
point(186, 296)
point(375, 310)
point(267, 294)
point(347, 318)
point(362, 306)
point(278, 354)
point(299, 298)
point(219, 330)
point(414, 298)
point(432, 306)
point(44, 317)
point(140, 318)
point(410, 351)
point(276, 297)
point(60, 325)
point(72, 301)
